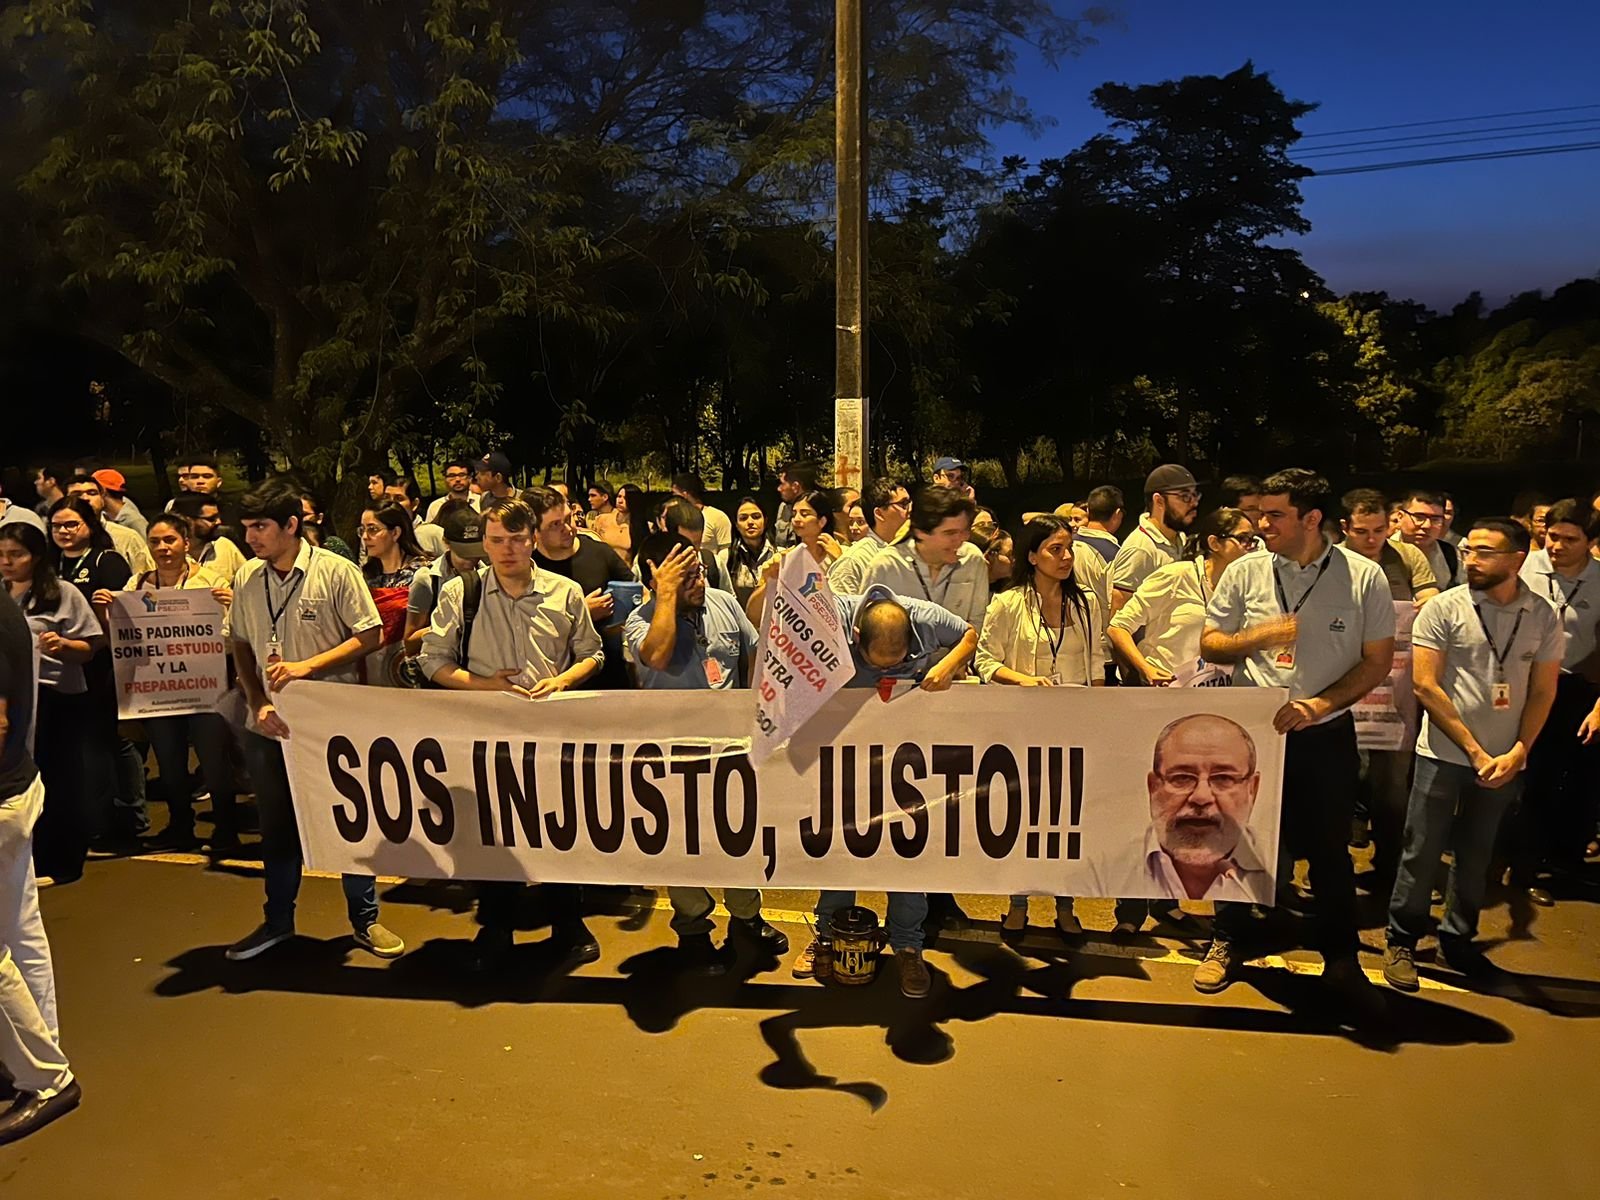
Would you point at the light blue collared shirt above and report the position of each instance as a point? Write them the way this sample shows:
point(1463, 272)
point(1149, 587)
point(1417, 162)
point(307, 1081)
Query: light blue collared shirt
point(719, 630)
point(935, 631)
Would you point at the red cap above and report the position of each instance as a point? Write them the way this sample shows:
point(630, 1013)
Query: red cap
point(111, 480)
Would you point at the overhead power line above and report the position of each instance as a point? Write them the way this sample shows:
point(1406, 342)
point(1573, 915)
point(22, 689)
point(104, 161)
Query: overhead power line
point(1529, 112)
point(1484, 130)
point(1479, 156)
point(1451, 140)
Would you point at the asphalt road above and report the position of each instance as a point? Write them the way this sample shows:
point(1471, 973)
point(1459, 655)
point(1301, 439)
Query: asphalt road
point(318, 1071)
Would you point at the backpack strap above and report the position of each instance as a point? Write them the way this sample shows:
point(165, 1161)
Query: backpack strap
point(471, 597)
point(1452, 559)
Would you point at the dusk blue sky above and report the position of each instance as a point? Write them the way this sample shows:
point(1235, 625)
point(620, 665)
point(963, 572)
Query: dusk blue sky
point(1431, 233)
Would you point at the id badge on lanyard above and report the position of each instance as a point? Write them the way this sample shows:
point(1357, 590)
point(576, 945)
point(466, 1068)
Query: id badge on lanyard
point(1500, 695)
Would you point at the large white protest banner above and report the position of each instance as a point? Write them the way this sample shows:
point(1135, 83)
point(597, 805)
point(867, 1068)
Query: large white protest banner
point(804, 656)
point(167, 652)
point(990, 789)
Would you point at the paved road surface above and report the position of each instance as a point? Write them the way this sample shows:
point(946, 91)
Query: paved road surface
point(318, 1071)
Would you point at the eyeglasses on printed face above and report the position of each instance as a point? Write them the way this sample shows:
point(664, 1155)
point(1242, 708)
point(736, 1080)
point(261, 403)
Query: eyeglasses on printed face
point(1184, 783)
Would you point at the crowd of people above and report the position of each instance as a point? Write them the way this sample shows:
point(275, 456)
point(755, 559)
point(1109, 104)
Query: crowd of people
point(536, 590)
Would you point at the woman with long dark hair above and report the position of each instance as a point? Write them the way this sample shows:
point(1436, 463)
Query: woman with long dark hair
point(1044, 630)
point(752, 548)
point(171, 546)
point(394, 557)
point(813, 517)
point(633, 514)
point(66, 738)
point(84, 556)
point(811, 514)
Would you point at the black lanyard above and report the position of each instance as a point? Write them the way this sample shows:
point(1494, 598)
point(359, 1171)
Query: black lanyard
point(916, 568)
point(1283, 599)
point(1060, 638)
point(697, 623)
point(1560, 597)
point(1200, 577)
point(276, 614)
point(1500, 655)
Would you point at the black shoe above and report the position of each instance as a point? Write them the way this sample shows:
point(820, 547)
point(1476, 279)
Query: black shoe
point(223, 842)
point(578, 946)
point(697, 954)
point(756, 930)
point(1350, 982)
point(1465, 958)
point(28, 1113)
point(945, 913)
point(491, 950)
point(173, 838)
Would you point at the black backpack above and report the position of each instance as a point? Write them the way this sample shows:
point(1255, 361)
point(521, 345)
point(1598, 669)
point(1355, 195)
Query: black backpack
point(471, 596)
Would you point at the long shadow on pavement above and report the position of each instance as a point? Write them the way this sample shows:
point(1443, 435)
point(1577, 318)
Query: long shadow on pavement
point(656, 995)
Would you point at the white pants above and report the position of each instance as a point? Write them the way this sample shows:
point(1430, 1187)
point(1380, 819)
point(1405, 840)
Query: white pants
point(30, 1048)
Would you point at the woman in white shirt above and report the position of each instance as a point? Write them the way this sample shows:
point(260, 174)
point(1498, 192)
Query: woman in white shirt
point(169, 537)
point(1170, 605)
point(1044, 631)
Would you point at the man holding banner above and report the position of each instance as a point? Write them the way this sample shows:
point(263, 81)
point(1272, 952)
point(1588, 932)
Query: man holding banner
point(298, 612)
point(893, 638)
point(526, 631)
point(1318, 620)
point(689, 636)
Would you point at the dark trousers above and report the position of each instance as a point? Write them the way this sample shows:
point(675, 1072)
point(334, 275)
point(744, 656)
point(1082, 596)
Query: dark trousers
point(280, 842)
point(498, 902)
point(171, 738)
point(75, 763)
point(1321, 771)
point(1385, 788)
point(1563, 780)
point(1447, 810)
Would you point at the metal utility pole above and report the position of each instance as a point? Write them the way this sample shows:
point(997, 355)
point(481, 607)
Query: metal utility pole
point(850, 408)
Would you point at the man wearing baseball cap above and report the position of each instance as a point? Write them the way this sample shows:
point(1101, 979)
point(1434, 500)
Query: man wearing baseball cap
point(119, 509)
point(463, 542)
point(493, 472)
point(1172, 502)
point(952, 473)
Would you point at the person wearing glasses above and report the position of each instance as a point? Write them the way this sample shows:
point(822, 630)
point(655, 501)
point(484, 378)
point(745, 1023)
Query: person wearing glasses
point(1203, 783)
point(458, 486)
point(888, 505)
point(1318, 621)
point(1422, 524)
point(1169, 608)
point(1487, 657)
point(1172, 503)
point(1564, 772)
point(691, 637)
point(1385, 774)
